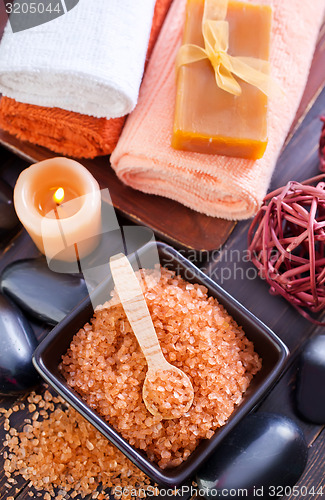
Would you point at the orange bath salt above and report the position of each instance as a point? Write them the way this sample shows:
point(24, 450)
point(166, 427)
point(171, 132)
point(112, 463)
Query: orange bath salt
point(207, 118)
point(107, 368)
point(168, 393)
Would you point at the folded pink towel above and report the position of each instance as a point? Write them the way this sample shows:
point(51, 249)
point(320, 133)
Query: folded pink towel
point(219, 186)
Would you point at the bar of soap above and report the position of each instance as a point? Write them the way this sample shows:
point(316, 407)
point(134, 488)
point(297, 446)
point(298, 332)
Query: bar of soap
point(207, 118)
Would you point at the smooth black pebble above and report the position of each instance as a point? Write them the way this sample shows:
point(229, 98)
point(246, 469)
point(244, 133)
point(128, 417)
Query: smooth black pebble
point(264, 451)
point(8, 218)
point(43, 294)
point(310, 393)
point(17, 345)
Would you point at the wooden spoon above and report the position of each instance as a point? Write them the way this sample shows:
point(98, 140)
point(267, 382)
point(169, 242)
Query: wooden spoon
point(167, 390)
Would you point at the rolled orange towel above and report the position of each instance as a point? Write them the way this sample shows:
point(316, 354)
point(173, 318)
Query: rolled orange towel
point(65, 132)
point(219, 186)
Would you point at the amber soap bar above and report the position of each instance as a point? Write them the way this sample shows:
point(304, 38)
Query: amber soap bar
point(207, 118)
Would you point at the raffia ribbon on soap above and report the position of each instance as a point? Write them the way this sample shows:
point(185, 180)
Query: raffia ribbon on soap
point(215, 32)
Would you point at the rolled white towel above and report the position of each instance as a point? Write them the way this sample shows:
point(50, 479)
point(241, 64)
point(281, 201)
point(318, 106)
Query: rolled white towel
point(90, 60)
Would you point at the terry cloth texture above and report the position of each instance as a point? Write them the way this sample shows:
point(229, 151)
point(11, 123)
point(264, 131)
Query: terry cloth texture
point(231, 188)
point(65, 132)
point(90, 60)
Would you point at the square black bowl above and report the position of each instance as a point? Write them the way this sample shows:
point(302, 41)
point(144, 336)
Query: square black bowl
point(271, 349)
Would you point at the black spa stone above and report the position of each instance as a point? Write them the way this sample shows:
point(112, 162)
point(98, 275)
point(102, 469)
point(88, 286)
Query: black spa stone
point(310, 393)
point(43, 294)
point(17, 345)
point(263, 452)
point(8, 218)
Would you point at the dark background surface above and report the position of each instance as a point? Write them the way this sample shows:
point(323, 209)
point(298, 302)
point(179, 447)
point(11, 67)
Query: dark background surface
point(228, 265)
point(173, 222)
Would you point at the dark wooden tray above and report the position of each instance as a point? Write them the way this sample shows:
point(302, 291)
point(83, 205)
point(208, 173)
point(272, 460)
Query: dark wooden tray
point(170, 220)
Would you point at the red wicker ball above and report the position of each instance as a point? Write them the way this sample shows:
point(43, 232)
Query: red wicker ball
point(287, 244)
point(322, 147)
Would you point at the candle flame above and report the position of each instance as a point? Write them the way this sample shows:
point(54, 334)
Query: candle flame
point(58, 196)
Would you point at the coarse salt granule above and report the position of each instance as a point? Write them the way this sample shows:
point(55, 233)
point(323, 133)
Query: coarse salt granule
point(55, 456)
point(168, 393)
point(105, 365)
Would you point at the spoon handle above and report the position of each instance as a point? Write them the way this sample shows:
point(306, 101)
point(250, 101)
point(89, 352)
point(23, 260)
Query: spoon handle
point(129, 290)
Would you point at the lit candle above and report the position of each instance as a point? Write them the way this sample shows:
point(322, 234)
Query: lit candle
point(59, 203)
point(57, 200)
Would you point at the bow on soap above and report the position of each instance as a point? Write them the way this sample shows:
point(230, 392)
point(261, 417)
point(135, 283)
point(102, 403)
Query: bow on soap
point(215, 32)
